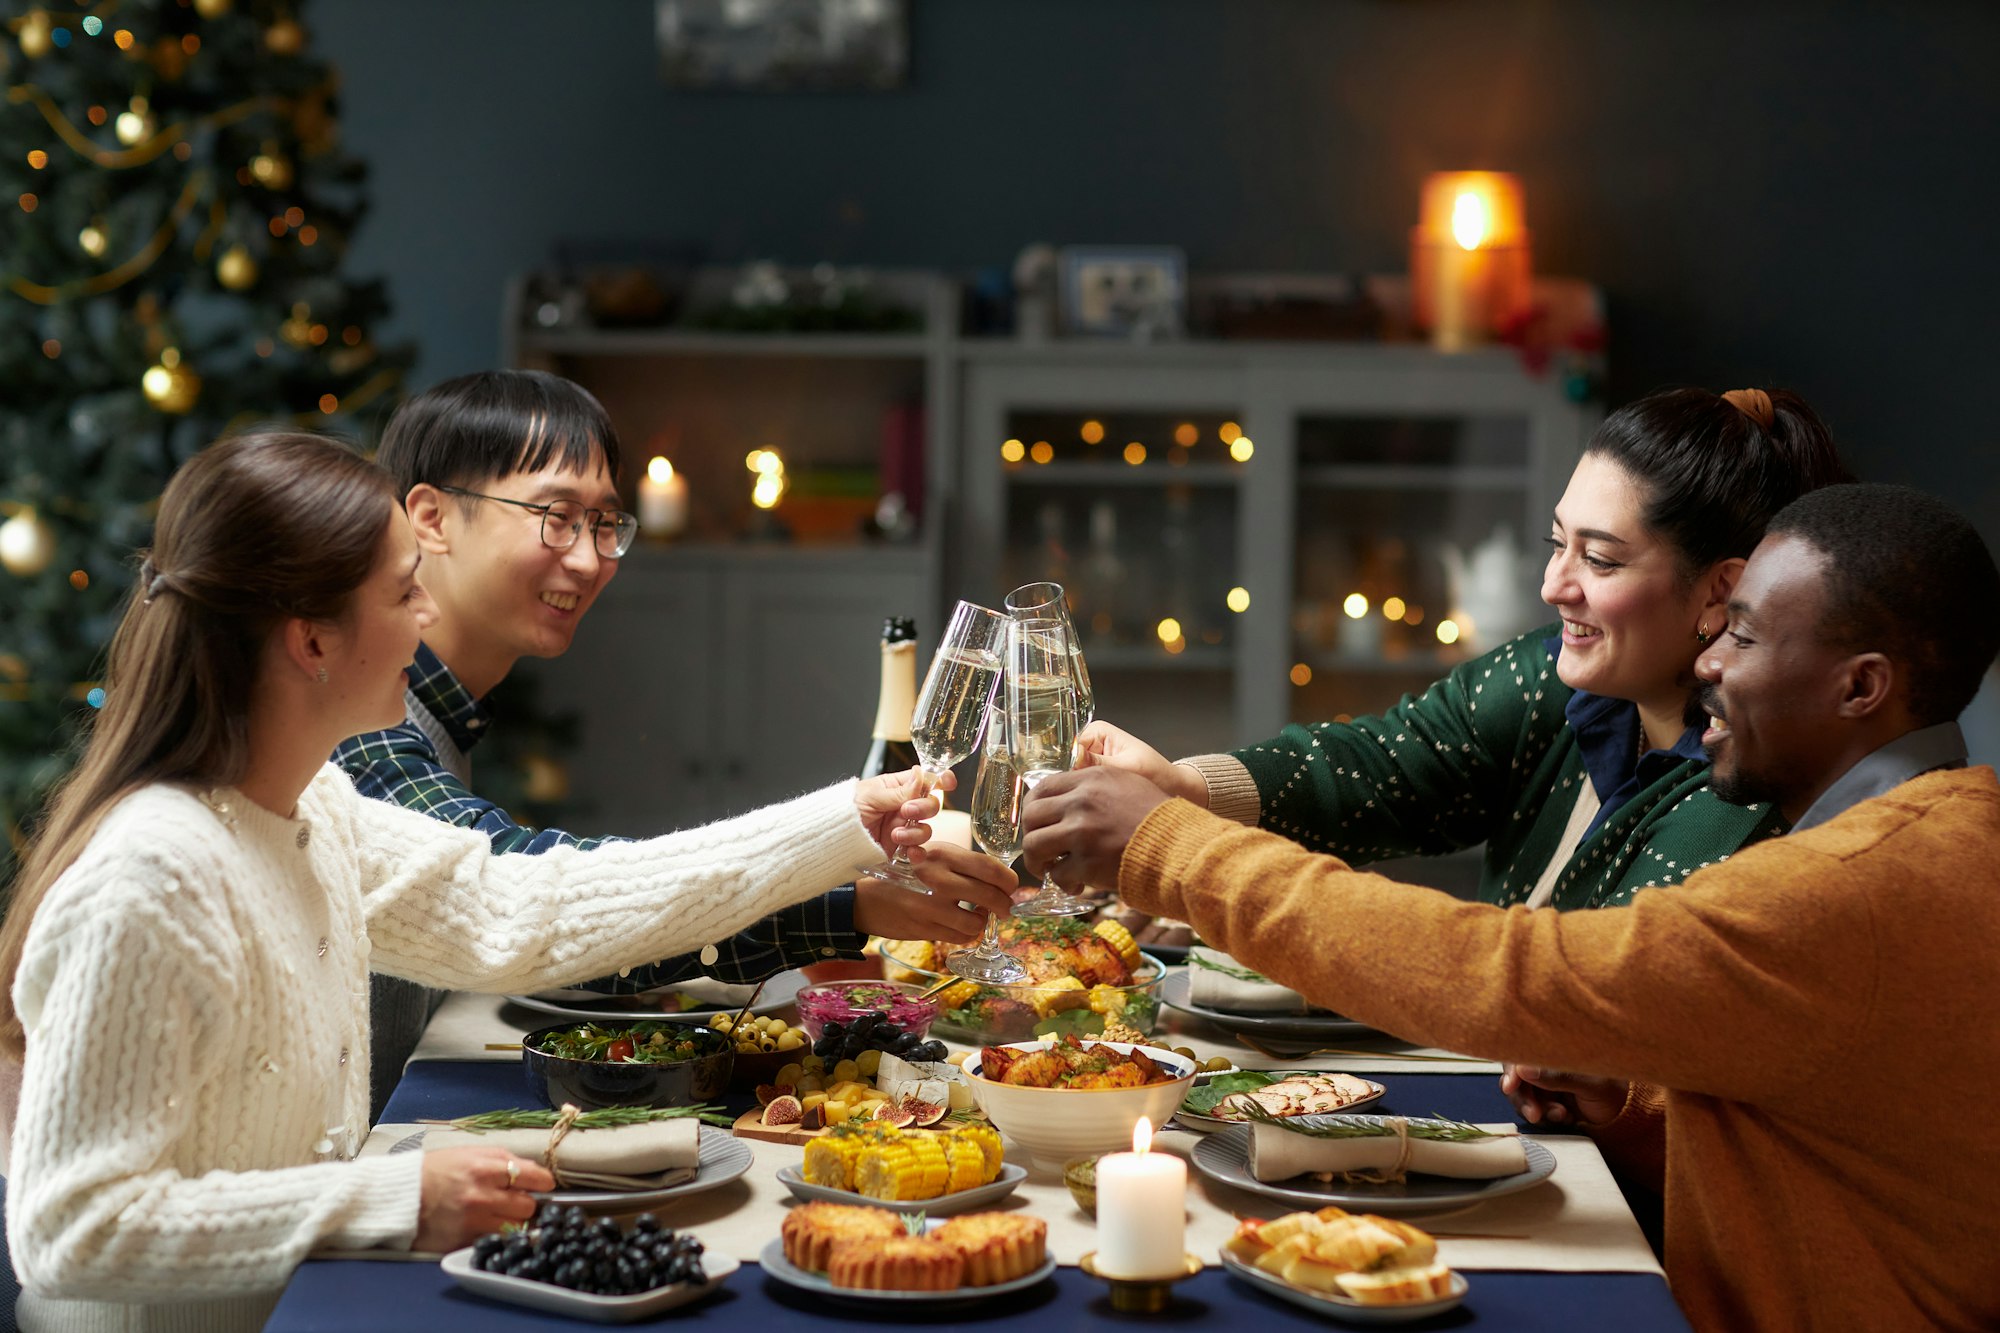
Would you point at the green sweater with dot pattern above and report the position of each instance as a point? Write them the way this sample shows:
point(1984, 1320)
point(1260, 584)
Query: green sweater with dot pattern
point(1486, 754)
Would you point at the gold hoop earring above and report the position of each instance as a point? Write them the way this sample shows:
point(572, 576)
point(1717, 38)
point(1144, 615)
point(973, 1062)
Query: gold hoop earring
point(321, 677)
point(1701, 634)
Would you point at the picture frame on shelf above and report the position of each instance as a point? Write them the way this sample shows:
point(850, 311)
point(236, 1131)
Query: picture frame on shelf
point(783, 45)
point(1135, 291)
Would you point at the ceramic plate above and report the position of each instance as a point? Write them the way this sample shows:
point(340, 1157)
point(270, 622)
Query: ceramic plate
point(1177, 990)
point(779, 992)
point(1225, 1156)
point(777, 1266)
point(1209, 1124)
point(723, 1158)
point(583, 1305)
point(1345, 1308)
point(793, 1179)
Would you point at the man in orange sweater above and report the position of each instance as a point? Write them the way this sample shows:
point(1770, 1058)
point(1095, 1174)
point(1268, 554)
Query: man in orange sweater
point(1818, 1008)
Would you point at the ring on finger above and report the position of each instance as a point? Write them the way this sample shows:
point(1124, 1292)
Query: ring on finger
point(513, 1172)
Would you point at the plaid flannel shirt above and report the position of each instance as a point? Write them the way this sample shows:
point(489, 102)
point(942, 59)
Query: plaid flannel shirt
point(402, 765)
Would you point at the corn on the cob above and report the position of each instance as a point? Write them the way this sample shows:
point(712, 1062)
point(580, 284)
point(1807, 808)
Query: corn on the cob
point(830, 1159)
point(988, 1140)
point(957, 995)
point(1119, 938)
point(1060, 994)
point(965, 1164)
point(1108, 1000)
point(910, 1166)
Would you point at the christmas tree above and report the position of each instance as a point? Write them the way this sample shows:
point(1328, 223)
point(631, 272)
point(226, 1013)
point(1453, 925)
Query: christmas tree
point(178, 209)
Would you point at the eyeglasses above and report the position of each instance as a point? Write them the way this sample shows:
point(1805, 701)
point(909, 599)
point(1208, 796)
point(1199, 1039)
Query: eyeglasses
point(612, 530)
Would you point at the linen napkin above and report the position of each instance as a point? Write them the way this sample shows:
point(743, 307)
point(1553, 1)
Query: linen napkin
point(651, 1155)
point(1217, 981)
point(1278, 1153)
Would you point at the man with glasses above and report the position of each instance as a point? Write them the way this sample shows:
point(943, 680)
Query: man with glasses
point(510, 481)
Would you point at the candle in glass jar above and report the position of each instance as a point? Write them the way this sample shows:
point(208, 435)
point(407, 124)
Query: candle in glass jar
point(1141, 1211)
point(663, 500)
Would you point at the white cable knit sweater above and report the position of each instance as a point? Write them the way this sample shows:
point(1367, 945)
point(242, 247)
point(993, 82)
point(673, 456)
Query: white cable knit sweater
point(195, 991)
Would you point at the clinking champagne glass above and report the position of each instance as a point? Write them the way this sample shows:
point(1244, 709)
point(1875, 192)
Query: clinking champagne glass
point(1041, 730)
point(996, 827)
point(951, 708)
point(1047, 601)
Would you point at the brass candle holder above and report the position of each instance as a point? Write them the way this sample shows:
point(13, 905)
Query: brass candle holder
point(1141, 1295)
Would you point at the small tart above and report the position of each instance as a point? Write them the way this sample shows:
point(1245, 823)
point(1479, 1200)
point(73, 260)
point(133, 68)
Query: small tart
point(996, 1247)
point(812, 1230)
point(899, 1263)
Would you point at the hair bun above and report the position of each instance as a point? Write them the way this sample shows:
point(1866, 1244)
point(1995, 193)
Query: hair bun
point(1752, 403)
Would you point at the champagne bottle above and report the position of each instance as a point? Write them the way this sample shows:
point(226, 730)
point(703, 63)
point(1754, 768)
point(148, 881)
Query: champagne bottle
point(891, 751)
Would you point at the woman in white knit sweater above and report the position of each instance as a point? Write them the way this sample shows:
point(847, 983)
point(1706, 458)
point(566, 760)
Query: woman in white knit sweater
point(190, 940)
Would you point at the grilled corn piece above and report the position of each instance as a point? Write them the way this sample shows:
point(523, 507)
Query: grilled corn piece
point(1062, 993)
point(1119, 938)
point(910, 1166)
point(987, 1139)
point(957, 995)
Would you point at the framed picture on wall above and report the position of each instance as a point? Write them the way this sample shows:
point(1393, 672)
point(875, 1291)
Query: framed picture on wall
point(1123, 291)
point(783, 45)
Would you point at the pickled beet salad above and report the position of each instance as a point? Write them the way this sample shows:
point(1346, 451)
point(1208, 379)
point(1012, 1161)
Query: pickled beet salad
point(844, 1001)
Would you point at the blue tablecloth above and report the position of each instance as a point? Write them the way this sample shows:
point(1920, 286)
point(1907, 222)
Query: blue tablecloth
point(347, 1296)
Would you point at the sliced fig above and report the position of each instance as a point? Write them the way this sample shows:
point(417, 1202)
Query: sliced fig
point(924, 1114)
point(770, 1092)
point(783, 1110)
point(894, 1114)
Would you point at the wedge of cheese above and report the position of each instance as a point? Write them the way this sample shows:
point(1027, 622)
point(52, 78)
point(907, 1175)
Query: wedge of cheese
point(934, 1081)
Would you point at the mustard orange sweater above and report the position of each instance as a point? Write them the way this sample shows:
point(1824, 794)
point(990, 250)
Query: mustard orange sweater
point(1820, 1008)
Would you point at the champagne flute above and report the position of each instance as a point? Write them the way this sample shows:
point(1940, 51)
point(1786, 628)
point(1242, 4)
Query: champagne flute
point(1048, 601)
point(1041, 730)
point(996, 827)
point(951, 709)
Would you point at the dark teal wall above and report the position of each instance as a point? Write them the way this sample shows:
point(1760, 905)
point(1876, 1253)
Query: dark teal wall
point(1800, 193)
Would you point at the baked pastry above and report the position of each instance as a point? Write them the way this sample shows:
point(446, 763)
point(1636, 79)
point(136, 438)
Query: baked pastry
point(900, 1263)
point(811, 1231)
point(996, 1247)
point(1398, 1286)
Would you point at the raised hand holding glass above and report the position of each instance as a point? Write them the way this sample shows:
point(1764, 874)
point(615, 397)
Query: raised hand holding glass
point(1041, 730)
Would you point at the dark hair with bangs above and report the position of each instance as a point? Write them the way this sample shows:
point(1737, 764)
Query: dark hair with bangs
point(1905, 576)
point(1713, 476)
point(496, 423)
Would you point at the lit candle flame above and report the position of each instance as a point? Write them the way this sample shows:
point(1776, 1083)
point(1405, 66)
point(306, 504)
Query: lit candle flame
point(1470, 220)
point(1142, 1135)
point(660, 470)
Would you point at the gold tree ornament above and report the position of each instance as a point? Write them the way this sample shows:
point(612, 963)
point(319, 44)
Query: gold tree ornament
point(170, 386)
point(211, 9)
point(35, 35)
point(27, 544)
point(236, 270)
point(285, 38)
point(271, 169)
point(92, 240)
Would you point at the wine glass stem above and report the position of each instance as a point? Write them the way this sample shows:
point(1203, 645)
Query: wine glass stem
point(901, 860)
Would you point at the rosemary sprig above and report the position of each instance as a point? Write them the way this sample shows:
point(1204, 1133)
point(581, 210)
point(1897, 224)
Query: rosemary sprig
point(913, 1224)
point(1439, 1129)
point(1240, 973)
point(609, 1117)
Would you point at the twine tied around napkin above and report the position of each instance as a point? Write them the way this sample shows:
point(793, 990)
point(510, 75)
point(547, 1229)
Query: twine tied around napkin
point(565, 1121)
point(1387, 1175)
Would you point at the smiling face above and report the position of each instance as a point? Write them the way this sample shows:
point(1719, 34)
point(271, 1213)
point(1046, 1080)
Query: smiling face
point(1773, 688)
point(378, 635)
point(502, 593)
point(1628, 616)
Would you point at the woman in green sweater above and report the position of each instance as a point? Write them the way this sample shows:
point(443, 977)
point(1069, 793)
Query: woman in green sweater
point(1569, 751)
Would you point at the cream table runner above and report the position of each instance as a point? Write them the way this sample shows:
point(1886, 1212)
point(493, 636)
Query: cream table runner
point(1575, 1222)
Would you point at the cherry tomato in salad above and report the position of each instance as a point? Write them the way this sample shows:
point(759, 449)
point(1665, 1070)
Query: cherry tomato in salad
point(621, 1049)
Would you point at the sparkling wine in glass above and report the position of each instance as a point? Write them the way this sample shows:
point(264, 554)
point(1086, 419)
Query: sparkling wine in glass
point(951, 708)
point(996, 827)
point(1048, 601)
point(1041, 730)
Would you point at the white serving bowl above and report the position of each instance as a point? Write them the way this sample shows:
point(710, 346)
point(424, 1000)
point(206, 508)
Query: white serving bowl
point(1057, 1124)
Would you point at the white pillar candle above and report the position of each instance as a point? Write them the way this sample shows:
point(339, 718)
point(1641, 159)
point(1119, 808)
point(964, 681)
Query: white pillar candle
point(1141, 1211)
point(663, 500)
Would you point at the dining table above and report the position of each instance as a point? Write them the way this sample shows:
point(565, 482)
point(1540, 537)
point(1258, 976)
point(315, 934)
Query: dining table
point(1566, 1254)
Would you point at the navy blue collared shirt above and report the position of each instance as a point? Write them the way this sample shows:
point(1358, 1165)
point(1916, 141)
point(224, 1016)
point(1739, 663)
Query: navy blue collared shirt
point(1607, 736)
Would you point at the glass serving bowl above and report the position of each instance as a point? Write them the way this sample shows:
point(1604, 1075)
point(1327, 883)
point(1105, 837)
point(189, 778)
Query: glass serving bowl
point(842, 1001)
point(981, 1015)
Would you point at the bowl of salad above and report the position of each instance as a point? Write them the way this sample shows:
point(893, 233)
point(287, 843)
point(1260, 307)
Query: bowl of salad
point(601, 1064)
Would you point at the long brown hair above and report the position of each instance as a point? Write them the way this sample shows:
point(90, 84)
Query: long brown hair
point(252, 531)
